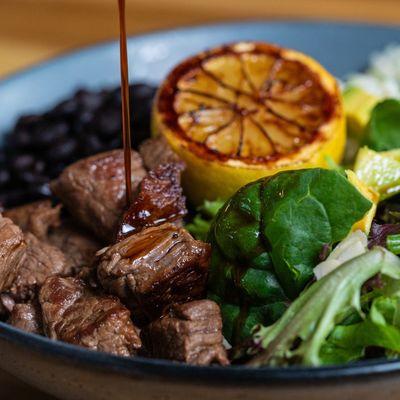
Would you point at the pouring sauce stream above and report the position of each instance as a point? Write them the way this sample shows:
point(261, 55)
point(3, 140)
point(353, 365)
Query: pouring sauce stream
point(126, 124)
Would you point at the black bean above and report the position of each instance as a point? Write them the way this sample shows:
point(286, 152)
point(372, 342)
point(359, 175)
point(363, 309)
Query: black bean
point(141, 90)
point(39, 166)
point(65, 108)
point(3, 157)
point(42, 145)
point(14, 197)
point(108, 123)
point(115, 143)
point(56, 169)
point(28, 120)
point(88, 100)
point(91, 144)
point(4, 177)
point(22, 162)
point(31, 177)
point(62, 150)
point(47, 134)
point(20, 139)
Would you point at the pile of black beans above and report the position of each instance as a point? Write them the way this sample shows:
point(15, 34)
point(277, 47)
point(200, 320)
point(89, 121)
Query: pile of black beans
point(41, 146)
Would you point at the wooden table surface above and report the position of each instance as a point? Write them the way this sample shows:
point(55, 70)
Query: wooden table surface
point(34, 30)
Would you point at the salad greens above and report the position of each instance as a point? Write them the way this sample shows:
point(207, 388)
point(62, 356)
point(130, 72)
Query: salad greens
point(393, 243)
point(271, 267)
point(380, 328)
point(267, 238)
point(200, 225)
point(355, 244)
point(313, 327)
point(384, 126)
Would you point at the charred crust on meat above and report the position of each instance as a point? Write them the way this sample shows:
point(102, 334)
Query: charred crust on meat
point(155, 268)
point(190, 332)
point(75, 314)
point(93, 191)
point(160, 199)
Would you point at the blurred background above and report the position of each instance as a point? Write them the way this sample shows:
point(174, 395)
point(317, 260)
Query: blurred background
point(33, 30)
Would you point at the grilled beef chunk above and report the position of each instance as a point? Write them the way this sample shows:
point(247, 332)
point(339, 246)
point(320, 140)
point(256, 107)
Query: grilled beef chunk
point(156, 151)
point(78, 246)
point(73, 314)
point(37, 217)
point(12, 252)
point(156, 267)
point(160, 200)
point(190, 332)
point(7, 303)
point(27, 317)
point(40, 261)
point(93, 190)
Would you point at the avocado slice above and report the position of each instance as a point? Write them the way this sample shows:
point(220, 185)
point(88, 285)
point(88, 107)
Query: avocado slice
point(358, 105)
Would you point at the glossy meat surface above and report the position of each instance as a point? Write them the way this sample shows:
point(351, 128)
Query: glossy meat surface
point(74, 314)
point(155, 268)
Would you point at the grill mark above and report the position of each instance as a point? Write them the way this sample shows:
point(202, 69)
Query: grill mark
point(206, 95)
point(237, 91)
point(247, 78)
point(239, 151)
point(221, 128)
point(287, 120)
point(266, 86)
point(264, 132)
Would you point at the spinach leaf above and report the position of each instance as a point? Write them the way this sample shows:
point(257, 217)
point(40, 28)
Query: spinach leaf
point(267, 238)
point(383, 132)
point(302, 211)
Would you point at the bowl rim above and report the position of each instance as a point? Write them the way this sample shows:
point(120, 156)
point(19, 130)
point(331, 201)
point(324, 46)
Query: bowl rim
point(236, 375)
point(174, 371)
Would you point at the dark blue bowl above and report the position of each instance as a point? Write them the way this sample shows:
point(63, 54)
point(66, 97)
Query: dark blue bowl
point(73, 373)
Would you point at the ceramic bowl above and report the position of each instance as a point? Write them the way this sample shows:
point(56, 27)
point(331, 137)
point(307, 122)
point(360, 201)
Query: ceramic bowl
point(69, 372)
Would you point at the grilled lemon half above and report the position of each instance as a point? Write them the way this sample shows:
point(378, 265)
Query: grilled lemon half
point(247, 110)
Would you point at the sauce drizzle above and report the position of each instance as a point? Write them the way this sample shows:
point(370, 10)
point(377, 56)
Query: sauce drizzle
point(126, 123)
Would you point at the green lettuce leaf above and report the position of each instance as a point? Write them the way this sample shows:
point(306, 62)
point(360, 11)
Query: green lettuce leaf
point(200, 225)
point(380, 328)
point(299, 335)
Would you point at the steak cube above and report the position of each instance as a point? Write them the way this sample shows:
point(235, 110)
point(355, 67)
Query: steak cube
point(156, 151)
point(74, 314)
point(154, 268)
point(37, 217)
point(12, 251)
point(191, 333)
point(93, 190)
point(27, 317)
point(160, 199)
point(78, 246)
point(40, 260)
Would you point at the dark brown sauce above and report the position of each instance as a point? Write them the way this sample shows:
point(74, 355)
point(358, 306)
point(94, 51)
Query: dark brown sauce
point(126, 124)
